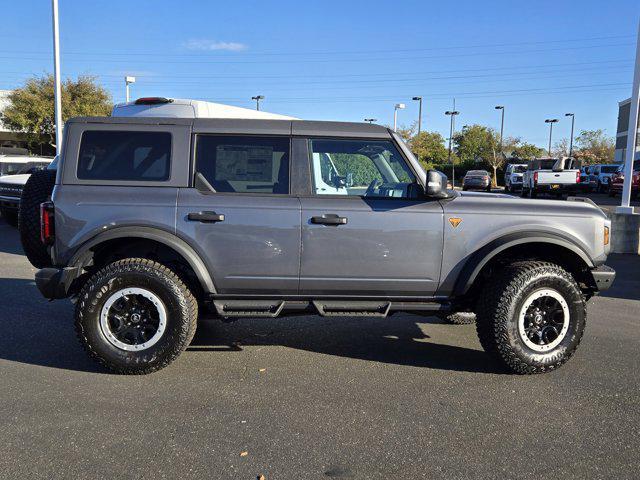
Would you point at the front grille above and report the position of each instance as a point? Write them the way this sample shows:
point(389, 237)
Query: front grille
point(10, 190)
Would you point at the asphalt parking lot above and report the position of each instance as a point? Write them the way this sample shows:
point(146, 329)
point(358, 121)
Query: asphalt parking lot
point(305, 397)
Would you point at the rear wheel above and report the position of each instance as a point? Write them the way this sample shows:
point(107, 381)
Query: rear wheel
point(135, 316)
point(36, 191)
point(532, 318)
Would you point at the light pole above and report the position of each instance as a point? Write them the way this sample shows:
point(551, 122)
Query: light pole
point(501, 108)
point(257, 98)
point(632, 135)
point(370, 120)
point(128, 80)
point(57, 90)
point(452, 114)
point(550, 121)
point(573, 118)
point(419, 99)
point(398, 106)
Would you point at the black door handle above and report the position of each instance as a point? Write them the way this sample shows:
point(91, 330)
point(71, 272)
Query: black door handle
point(205, 217)
point(329, 219)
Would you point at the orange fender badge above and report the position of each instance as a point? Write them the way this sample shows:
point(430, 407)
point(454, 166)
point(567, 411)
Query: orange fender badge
point(455, 221)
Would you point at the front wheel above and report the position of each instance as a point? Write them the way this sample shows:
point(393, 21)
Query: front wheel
point(135, 316)
point(532, 317)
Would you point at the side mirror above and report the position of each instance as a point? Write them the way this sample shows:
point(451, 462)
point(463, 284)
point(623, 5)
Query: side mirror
point(436, 184)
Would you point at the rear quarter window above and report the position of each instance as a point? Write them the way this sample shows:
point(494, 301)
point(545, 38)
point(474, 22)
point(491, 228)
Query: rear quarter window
point(124, 155)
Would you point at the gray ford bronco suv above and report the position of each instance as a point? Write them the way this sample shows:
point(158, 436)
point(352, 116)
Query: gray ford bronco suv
point(153, 220)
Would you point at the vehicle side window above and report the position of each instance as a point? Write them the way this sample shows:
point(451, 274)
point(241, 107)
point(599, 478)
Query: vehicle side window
point(244, 164)
point(365, 168)
point(124, 155)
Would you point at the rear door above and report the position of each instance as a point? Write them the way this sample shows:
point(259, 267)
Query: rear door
point(368, 234)
point(240, 214)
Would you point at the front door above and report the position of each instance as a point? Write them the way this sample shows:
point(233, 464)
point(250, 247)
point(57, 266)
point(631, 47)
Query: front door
point(368, 234)
point(240, 216)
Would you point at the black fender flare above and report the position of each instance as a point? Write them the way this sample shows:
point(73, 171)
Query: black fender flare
point(161, 236)
point(484, 255)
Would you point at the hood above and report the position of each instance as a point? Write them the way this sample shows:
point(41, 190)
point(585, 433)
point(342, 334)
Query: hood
point(503, 204)
point(14, 179)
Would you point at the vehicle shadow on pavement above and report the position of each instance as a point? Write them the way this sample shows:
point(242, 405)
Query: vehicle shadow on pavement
point(627, 282)
point(9, 239)
point(34, 331)
point(395, 340)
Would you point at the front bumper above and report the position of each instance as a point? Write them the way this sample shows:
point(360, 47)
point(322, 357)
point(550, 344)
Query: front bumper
point(55, 283)
point(603, 277)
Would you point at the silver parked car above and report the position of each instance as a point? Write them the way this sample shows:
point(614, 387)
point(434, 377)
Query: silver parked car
point(477, 180)
point(266, 218)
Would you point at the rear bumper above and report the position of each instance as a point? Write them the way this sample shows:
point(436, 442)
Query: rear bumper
point(9, 202)
point(561, 188)
point(603, 277)
point(55, 283)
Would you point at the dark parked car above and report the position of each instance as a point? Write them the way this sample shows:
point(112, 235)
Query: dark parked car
point(477, 180)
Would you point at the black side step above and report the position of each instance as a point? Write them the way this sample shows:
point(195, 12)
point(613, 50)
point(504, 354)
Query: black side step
point(337, 308)
point(249, 308)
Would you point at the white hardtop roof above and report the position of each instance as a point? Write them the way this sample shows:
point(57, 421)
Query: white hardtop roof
point(184, 108)
point(24, 159)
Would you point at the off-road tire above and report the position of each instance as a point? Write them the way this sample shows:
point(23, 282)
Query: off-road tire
point(499, 307)
point(10, 216)
point(181, 307)
point(461, 318)
point(37, 190)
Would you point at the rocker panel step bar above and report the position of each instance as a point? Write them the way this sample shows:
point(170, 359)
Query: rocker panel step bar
point(249, 308)
point(352, 309)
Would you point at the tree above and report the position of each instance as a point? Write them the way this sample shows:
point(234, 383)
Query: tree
point(561, 148)
point(526, 151)
point(31, 108)
point(407, 133)
point(429, 147)
point(475, 144)
point(594, 146)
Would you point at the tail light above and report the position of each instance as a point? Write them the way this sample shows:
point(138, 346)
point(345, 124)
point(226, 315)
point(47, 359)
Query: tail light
point(577, 177)
point(535, 177)
point(47, 225)
point(152, 100)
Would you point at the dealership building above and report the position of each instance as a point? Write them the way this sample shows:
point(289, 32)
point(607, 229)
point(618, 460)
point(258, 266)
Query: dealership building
point(622, 132)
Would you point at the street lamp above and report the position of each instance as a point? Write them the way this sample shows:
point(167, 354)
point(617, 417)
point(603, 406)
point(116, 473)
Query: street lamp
point(398, 106)
point(419, 99)
point(573, 118)
point(257, 98)
point(501, 108)
point(128, 80)
point(550, 121)
point(370, 120)
point(452, 114)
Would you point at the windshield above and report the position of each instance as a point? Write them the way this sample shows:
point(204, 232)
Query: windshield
point(608, 168)
point(477, 172)
point(519, 169)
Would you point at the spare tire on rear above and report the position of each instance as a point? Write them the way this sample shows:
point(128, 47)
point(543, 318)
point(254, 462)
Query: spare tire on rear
point(36, 191)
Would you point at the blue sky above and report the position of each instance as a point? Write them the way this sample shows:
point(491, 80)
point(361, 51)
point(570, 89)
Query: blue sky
point(347, 60)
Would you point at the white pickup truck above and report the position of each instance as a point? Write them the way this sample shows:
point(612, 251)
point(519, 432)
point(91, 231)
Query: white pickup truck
point(556, 176)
